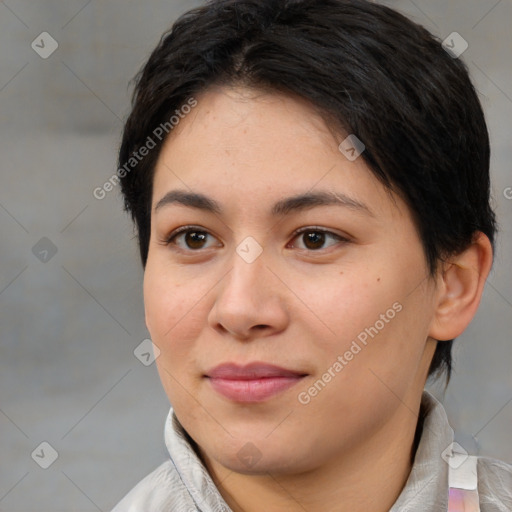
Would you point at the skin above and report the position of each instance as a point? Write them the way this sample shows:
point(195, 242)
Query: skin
point(299, 305)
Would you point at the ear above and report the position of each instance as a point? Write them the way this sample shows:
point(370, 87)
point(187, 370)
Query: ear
point(460, 287)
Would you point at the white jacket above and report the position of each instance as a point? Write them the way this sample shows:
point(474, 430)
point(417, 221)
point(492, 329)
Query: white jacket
point(183, 484)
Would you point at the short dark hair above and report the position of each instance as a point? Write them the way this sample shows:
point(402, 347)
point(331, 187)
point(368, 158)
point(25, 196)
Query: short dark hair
point(368, 70)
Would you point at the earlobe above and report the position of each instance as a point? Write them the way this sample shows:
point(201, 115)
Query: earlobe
point(460, 289)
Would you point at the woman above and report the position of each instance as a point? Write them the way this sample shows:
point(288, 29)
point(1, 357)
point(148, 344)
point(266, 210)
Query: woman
point(310, 184)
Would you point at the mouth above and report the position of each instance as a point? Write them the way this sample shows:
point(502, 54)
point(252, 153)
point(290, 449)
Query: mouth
point(255, 382)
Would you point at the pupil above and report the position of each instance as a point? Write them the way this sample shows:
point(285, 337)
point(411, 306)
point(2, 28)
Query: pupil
point(194, 239)
point(316, 238)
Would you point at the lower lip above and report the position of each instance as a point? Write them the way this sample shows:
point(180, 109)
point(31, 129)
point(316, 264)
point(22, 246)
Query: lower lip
point(254, 390)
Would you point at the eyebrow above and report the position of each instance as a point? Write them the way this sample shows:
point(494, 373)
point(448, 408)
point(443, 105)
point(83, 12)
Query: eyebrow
point(283, 207)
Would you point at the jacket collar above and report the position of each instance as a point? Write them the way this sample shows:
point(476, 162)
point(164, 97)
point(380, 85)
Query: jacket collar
point(426, 488)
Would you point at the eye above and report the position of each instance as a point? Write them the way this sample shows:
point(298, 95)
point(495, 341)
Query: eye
point(192, 238)
point(315, 238)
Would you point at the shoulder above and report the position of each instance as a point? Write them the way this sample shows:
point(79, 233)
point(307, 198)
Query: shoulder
point(161, 490)
point(494, 485)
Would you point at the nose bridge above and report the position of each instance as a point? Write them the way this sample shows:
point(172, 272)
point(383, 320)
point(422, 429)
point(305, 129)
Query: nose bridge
point(247, 276)
point(247, 296)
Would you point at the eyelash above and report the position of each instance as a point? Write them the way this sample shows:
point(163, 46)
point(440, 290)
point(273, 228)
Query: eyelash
point(311, 229)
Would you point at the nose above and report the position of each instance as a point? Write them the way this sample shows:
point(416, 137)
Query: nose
point(250, 301)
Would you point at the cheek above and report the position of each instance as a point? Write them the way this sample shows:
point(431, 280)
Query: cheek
point(175, 311)
point(342, 305)
point(175, 315)
point(375, 317)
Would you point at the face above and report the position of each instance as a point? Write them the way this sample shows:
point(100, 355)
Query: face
point(298, 271)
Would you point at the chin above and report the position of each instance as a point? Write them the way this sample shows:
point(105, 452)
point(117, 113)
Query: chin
point(256, 459)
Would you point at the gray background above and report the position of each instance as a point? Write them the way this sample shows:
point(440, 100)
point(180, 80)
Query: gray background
point(69, 326)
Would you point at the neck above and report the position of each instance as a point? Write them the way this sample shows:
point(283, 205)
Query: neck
point(368, 476)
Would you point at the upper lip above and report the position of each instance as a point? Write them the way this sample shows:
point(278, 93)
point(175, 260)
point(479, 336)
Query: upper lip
point(256, 370)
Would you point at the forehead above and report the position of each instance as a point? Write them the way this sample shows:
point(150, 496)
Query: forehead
point(253, 146)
